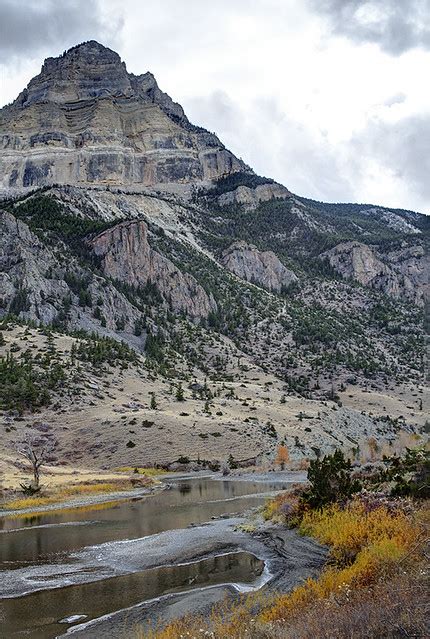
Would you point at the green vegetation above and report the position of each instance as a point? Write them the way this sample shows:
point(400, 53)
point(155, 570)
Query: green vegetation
point(321, 327)
point(20, 302)
point(233, 180)
point(409, 475)
point(25, 384)
point(47, 217)
point(103, 350)
point(330, 481)
point(179, 395)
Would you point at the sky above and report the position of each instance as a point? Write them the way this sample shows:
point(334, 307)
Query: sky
point(328, 97)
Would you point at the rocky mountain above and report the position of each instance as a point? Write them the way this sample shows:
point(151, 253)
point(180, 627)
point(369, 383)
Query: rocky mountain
point(127, 257)
point(85, 120)
point(404, 272)
point(122, 220)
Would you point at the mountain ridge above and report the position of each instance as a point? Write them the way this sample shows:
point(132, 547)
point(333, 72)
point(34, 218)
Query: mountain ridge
point(123, 221)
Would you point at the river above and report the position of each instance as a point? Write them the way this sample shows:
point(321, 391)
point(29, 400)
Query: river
point(70, 567)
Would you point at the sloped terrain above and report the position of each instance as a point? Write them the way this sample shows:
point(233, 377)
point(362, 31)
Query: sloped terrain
point(102, 405)
point(267, 309)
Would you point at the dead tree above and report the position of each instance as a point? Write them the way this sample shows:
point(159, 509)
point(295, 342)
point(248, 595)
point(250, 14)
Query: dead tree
point(36, 451)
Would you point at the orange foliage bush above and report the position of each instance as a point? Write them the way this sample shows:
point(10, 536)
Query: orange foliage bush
point(282, 456)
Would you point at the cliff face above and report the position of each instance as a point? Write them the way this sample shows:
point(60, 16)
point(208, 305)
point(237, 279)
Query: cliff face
point(127, 256)
point(401, 273)
point(103, 136)
point(259, 267)
point(34, 284)
point(85, 120)
point(46, 284)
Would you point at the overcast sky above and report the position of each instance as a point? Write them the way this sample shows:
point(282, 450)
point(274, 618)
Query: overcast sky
point(329, 97)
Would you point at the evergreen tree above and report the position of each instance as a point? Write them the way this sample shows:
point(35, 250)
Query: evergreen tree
point(330, 480)
point(179, 393)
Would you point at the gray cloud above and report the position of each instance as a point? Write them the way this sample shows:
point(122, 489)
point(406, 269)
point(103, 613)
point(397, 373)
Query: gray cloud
point(402, 148)
point(382, 163)
point(393, 100)
point(276, 145)
point(395, 25)
point(279, 146)
point(28, 27)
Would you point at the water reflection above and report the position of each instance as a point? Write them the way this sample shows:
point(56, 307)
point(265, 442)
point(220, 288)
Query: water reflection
point(37, 615)
point(47, 537)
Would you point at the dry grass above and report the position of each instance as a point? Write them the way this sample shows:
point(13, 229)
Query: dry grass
point(392, 609)
point(69, 509)
point(360, 527)
point(65, 493)
point(139, 470)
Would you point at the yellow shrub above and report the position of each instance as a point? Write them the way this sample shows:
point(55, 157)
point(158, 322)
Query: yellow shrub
point(29, 502)
point(347, 531)
point(62, 493)
point(271, 509)
point(149, 472)
point(284, 508)
point(88, 489)
point(363, 545)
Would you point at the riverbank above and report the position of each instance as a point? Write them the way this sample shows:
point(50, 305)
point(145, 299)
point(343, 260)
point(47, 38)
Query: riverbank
point(289, 559)
point(149, 558)
point(82, 501)
point(375, 584)
point(106, 496)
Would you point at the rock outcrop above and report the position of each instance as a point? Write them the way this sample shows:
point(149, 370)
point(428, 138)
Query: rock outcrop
point(34, 285)
point(127, 256)
point(250, 198)
point(401, 273)
point(260, 267)
point(84, 120)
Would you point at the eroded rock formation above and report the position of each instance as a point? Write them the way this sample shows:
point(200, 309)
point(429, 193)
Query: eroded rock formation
point(401, 273)
point(127, 256)
point(85, 120)
point(259, 267)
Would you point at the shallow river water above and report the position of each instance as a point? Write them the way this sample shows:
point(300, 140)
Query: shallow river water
point(50, 538)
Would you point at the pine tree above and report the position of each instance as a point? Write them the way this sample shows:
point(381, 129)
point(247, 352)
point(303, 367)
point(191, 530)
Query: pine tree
point(179, 393)
point(330, 480)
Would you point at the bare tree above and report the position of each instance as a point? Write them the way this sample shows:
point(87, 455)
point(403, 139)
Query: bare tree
point(36, 451)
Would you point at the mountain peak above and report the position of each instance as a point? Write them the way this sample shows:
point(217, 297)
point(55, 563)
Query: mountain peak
point(88, 47)
point(87, 70)
point(85, 120)
point(88, 53)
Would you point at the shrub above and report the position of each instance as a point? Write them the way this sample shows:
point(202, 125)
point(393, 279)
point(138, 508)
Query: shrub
point(282, 456)
point(25, 387)
point(179, 393)
point(330, 481)
point(360, 525)
point(410, 473)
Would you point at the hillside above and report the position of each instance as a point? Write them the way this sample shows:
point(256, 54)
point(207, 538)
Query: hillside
point(123, 223)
